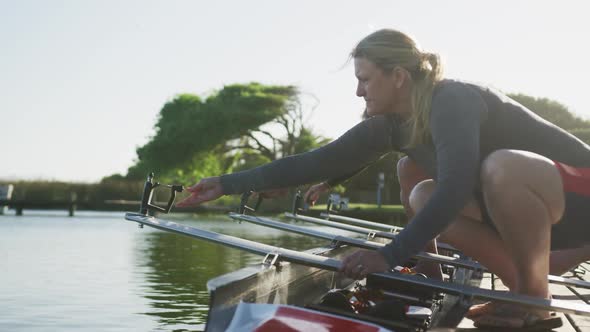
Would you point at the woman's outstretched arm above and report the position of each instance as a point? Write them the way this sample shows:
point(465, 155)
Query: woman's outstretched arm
point(359, 146)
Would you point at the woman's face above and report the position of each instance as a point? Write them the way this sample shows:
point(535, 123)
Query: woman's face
point(381, 90)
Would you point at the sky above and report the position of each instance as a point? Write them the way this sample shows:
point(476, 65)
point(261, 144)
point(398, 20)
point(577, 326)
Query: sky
point(82, 82)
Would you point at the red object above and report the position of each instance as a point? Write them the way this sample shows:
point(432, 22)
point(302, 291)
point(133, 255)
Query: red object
point(292, 319)
point(576, 180)
point(266, 317)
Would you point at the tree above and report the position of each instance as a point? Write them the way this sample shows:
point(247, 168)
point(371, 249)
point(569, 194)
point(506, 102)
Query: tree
point(195, 138)
point(286, 135)
point(188, 127)
point(551, 111)
point(557, 114)
point(582, 133)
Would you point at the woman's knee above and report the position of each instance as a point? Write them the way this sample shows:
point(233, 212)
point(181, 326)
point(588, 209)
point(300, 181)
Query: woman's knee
point(420, 194)
point(505, 167)
point(507, 171)
point(409, 175)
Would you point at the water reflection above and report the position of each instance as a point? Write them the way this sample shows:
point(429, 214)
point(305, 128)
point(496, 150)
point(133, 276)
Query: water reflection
point(176, 269)
point(98, 272)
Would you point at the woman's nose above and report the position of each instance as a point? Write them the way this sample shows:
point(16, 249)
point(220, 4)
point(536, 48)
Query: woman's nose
point(359, 90)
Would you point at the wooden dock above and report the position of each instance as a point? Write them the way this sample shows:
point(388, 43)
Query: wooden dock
point(5, 194)
point(571, 323)
point(73, 205)
point(19, 206)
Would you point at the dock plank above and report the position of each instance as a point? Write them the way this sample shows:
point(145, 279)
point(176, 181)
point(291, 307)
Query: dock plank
point(571, 323)
point(582, 323)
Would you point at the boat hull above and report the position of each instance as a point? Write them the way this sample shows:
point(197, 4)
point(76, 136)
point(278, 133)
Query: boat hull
point(303, 286)
point(285, 283)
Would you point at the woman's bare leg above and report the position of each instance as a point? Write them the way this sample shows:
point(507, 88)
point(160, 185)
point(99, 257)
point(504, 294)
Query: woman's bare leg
point(409, 175)
point(489, 249)
point(460, 233)
point(524, 195)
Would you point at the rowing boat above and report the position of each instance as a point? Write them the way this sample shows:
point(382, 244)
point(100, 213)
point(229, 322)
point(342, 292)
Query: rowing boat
point(304, 279)
point(301, 291)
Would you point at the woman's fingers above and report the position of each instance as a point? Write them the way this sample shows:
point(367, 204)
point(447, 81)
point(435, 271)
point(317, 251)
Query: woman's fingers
point(192, 199)
point(363, 262)
point(360, 271)
point(345, 262)
point(195, 199)
point(313, 193)
point(306, 196)
point(188, 201)
point(195, 187)
point(349, 263)
point(206, 190)
point(314, 197)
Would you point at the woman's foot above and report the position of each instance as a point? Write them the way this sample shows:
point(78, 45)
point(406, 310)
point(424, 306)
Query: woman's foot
point(507, 317)
point(477, 310)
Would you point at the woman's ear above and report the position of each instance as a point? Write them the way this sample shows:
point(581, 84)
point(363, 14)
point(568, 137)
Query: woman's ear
point(400, 76)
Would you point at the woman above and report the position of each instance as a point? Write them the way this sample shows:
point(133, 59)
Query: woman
point(409, 175)
point(501, 172)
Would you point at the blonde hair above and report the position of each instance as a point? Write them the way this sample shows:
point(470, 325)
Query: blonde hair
point(388, 49)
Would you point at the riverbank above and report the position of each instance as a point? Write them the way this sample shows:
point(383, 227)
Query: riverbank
point(388, 214)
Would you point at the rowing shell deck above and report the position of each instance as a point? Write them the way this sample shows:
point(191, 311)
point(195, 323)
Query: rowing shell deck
point(571, 323)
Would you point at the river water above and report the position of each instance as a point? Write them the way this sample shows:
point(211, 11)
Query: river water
point(98, 272)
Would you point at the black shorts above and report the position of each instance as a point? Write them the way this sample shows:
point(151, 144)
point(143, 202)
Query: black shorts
point(573, 230)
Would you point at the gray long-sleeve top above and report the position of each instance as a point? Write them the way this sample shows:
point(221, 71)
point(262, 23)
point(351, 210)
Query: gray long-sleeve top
point(467, 123)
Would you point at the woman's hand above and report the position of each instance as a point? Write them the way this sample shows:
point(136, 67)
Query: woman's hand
point(363, 262)
point(207, 189)
point(314, 192)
